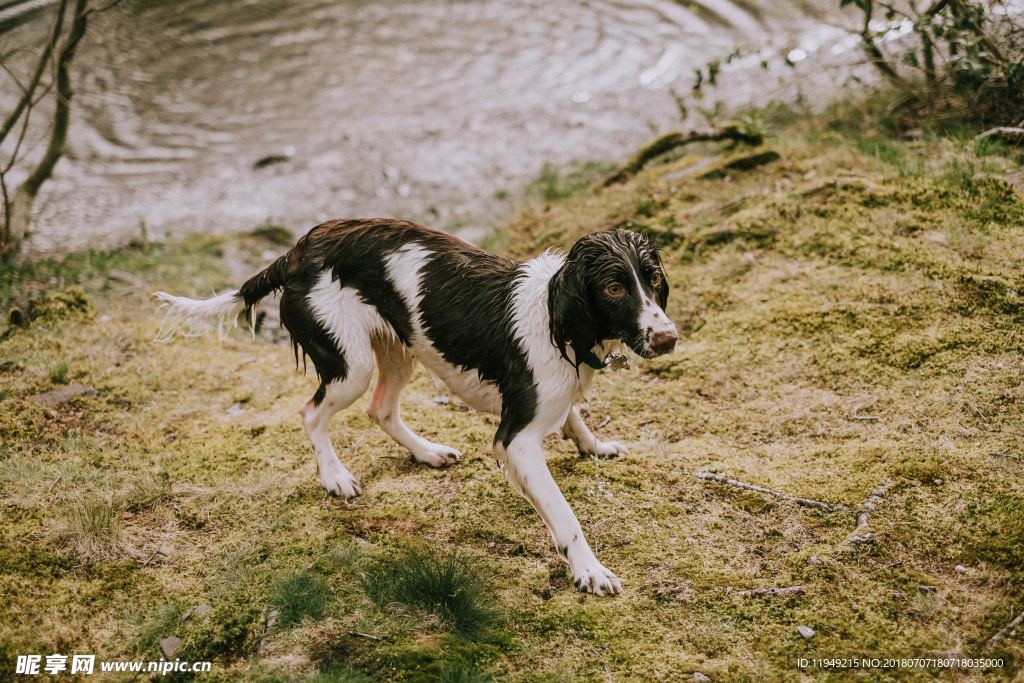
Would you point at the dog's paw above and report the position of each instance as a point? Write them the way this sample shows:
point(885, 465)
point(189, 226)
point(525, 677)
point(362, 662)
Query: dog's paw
point(604, 450)
point(340, 482)
point(437, 455)
point(594, 577)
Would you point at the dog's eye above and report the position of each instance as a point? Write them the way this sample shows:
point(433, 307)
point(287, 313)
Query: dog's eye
point(615, 290)
point(655, 279)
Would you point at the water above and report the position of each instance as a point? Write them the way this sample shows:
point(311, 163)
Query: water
point(425, 110)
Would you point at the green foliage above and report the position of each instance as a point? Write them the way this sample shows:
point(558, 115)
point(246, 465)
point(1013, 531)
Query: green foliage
point(963, 57)
point(554, 183)
point(441, 584)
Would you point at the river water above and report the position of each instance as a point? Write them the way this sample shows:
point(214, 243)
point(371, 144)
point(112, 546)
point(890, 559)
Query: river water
point(428, 110)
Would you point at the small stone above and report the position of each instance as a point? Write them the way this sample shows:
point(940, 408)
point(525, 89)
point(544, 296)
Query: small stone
point(169, 645)
point(442, 400)
point(125, 278)
point(197, 611)
point(806, 631)
point(813, 559)
point(698, 676)
point(235, 410)
point(66, 393)
point(104, 318)
point(165, 550)
point(960, 569)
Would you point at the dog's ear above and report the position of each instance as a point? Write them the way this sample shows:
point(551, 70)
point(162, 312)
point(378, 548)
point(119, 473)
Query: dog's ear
point(572, 318)
point(663, 290)
point(656, 252)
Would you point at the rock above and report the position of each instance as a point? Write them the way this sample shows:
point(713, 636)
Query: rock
point(271, 159)
point(66, 393)
point(235, 410)
point(813, 559)
point(806, 631)
point(169, 645)
point(698, 676)
point(165, 550)
point(197, 611)
point(125, 278)
point(960, 569)
point(442, 400)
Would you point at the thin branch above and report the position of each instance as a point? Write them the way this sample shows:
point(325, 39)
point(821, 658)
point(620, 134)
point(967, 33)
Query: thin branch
point(873, 52)
point(1005, 631)
point(1011, 135)
point(44, 58)
point(760, 592)
point(62, 114)
point(806, 502)
point(862, 532)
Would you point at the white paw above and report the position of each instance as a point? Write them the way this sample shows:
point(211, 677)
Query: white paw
point(605, 449)
point(437, 455)
point(594, 577)
point(338, 481)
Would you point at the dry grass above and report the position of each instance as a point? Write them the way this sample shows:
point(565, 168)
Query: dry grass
point(852, 315)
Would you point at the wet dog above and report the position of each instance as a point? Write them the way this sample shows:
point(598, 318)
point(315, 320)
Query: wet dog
point(518, 339)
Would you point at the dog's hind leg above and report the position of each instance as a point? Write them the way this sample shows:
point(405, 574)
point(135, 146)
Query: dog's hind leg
point(333, 327)
point(588, 444)
point(395, 367)
point(316, 418)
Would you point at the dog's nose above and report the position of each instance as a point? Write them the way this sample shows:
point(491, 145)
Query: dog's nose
point(663, 342)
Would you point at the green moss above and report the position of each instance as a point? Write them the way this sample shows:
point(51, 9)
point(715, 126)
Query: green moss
point(850, 314)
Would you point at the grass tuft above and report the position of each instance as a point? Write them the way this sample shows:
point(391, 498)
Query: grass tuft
point(93, 529)
point(300, 596)
point(59, 372)
point(439, 584)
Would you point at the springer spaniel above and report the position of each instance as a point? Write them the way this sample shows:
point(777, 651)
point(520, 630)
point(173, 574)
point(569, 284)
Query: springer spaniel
point(521, 340)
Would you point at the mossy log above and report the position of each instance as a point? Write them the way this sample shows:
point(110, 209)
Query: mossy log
point(666, 143)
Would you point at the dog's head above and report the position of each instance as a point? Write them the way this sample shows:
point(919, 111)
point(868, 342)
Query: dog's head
point(611, 286)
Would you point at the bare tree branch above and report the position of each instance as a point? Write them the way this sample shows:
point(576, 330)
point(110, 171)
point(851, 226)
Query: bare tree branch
point(44, 59)
point(62, 114)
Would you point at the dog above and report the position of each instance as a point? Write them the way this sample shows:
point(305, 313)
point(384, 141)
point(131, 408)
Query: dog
point(518, 339)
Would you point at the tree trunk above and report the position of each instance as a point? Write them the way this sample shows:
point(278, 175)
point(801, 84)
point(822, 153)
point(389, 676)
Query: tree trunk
point(20, 212)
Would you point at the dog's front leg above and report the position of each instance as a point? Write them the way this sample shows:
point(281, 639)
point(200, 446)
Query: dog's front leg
point(524, 467)
point(588, 444)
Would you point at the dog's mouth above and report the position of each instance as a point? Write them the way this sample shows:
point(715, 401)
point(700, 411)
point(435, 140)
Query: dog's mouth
point(647, 347)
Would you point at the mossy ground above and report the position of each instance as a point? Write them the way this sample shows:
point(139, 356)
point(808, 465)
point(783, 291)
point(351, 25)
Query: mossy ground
point(852, 313)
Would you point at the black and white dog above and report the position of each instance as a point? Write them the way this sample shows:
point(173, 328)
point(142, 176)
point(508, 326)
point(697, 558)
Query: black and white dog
point(521, 340)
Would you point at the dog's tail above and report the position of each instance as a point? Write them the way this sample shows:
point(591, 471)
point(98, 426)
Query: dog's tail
point(195, 317)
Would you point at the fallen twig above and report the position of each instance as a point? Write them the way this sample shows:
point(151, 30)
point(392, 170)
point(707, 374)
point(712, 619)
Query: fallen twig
point(760, 592)
point(670, 141)
point(1005, 631)
point(369, 636)
point(1011, 135)
point(806, 502)
point(269, 625)
point(862, 532)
